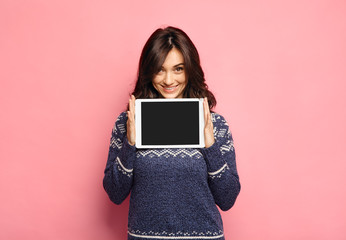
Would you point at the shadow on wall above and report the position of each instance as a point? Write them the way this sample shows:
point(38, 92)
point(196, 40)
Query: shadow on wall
point(115, 217)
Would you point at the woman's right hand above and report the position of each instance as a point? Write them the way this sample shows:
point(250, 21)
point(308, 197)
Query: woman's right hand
point(131, 127)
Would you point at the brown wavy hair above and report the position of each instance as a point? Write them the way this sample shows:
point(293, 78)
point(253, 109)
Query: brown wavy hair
point(153, 56)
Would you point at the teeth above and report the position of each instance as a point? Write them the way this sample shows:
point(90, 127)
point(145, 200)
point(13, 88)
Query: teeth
point(170, 88)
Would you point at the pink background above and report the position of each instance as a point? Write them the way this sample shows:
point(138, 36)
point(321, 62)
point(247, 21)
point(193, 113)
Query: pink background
point(277, 69)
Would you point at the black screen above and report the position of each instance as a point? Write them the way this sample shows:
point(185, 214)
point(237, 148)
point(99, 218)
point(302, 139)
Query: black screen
point(170, 123)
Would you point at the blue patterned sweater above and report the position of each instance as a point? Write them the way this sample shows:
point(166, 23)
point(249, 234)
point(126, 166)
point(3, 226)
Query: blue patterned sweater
point(174, 192)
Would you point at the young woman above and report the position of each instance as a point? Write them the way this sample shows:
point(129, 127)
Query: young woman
point(174, 192)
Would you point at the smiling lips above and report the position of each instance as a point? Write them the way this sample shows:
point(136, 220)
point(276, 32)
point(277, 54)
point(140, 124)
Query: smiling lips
point(170, 89)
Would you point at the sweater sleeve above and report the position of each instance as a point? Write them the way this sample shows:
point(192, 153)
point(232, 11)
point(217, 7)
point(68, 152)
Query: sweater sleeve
point(118, 174)
point(221, 165)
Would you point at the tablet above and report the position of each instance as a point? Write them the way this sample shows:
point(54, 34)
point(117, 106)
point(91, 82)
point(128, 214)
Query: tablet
point(169, 123)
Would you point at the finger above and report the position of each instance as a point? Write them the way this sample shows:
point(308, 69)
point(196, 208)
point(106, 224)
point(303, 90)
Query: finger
point(208, 117)
point(128, 117)
point(129, 112)
point(133, 104)
point(205, 110)
point(209, 114)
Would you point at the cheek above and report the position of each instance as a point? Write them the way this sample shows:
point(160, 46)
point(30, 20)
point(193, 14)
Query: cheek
point(182, 79)
point(156, 83)
point(156, 80)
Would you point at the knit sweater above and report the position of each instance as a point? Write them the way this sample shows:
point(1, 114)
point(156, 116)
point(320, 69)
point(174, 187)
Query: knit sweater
point(174, 191)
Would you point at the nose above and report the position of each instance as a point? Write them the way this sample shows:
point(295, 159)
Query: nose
point(168, 80)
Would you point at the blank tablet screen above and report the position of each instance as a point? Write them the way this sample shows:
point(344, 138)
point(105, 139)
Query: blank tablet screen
point(170, 123)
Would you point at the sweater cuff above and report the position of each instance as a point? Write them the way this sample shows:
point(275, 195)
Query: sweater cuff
point(213, 157)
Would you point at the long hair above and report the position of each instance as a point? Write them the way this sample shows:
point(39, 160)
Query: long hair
point(153, 56)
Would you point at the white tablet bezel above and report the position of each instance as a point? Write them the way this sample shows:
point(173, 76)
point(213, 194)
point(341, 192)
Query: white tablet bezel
point(138, 121)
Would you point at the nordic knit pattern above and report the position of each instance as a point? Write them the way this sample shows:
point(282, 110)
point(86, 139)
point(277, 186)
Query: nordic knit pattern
point(174, 192)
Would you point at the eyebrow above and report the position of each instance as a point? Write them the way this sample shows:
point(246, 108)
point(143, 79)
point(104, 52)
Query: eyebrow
point(175, 65)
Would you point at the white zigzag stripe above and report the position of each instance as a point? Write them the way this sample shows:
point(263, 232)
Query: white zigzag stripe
point(174, 153)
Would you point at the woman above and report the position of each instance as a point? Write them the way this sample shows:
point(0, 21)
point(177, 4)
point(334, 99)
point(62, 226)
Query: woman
point(174, 192)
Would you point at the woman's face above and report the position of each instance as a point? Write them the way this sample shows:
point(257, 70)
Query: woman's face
point(171, 80)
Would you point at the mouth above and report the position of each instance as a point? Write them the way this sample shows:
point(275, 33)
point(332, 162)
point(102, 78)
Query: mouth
point(169, 89)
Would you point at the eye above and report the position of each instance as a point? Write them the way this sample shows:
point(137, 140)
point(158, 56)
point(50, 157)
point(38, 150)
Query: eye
point(160, 71)
point(179, 69)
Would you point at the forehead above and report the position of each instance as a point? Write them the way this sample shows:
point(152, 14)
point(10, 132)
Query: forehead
point(173, 58)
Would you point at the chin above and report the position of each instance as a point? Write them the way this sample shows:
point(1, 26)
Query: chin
point(165, 95)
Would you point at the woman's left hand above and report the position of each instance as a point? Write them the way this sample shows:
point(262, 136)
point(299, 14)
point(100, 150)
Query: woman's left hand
point(208, 125)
